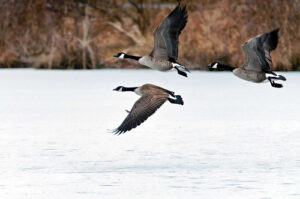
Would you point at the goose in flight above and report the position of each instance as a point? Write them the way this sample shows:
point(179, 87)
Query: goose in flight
point(152, 98)
point(165, 50)
point(258, 65)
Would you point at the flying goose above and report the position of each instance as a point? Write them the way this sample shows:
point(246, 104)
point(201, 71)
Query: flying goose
point(152, 97)
point(165, 50)
point(258, 64)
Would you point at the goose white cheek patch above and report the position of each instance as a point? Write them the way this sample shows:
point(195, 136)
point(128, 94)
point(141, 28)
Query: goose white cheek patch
point(215, 66)
point(121, 56)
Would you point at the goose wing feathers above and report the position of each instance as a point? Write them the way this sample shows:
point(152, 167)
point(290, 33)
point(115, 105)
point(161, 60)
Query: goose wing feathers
point(257, 51)
point(141, 110)
point(166, 35)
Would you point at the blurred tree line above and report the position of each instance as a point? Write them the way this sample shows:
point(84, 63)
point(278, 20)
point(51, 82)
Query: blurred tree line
point(84, 34)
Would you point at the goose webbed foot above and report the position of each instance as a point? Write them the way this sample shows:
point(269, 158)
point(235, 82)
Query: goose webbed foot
point(181, 72)
point(273, 84)
point(276, 85)
point(275, 77)
point(281, 78)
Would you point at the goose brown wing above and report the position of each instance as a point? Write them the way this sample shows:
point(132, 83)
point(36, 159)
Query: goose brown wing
point(141, 110)
point(166, 35)
point(257, 51)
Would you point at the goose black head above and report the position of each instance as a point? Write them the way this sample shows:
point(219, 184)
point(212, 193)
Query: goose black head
point(119, 88)
point(213, 66)
point(120, 55)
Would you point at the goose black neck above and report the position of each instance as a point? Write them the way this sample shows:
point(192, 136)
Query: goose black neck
point(132, 57)
point(225, 67)
point(129, 88)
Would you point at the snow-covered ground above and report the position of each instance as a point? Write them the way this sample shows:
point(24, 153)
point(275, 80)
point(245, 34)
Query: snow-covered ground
point(231, 139)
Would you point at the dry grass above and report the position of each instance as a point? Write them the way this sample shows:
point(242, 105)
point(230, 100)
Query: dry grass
point(85, 34)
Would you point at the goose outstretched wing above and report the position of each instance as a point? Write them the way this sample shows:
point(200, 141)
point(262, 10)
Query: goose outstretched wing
point(166, 35)
point(141, 110)
point(257, 51)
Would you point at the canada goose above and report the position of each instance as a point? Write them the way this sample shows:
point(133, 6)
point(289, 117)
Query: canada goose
point(152, 97)
point(258, 62)
point(165, 50)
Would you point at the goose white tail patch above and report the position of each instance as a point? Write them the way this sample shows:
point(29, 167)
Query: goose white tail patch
point(215, 66)
point(175, 65)
point(271, 75)
point(180, 67)
point(174, 98)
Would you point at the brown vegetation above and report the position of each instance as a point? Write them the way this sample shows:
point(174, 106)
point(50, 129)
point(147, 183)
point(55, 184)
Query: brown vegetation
point(86, 33)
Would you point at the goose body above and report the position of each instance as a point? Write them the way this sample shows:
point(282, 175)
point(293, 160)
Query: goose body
point(155, 63)
point(250, 75)
point(152, 98)
point(258, 63)
point(165, 49)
